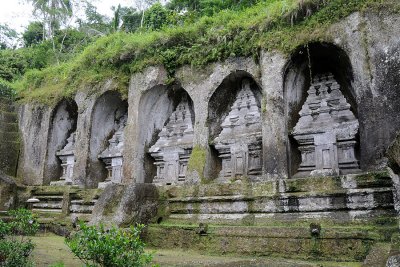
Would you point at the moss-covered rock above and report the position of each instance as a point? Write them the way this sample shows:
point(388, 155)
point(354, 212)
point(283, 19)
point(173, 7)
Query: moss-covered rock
point(8, 192)
point(10, 144)
point(197, 160)
point(290, 242)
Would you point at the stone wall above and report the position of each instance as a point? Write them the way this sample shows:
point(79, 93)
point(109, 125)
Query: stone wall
point(362, 56)
point(8, 192)
point(34, 124)
point(9, 136)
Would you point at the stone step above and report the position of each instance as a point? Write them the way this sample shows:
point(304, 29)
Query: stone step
point(9, 160)
point(48, 205)
point(8, 127)
point(378, 255)
point(5, 102)
point(8, 117)
point(310, 184)
point(11, 136)
point(48, 196)
point(6, 107)
point(38, 210)
point(48, 191)
point(354, 199)
point(82, 202)
point(376, 217)
point(184, 257)
point(339, 244)
point(271, 188)
point(81, 206)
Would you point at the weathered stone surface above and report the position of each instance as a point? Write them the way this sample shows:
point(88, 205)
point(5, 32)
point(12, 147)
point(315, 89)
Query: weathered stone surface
point(67, 157)
point(109, 114)
point(149, 108)
point(217, 83)
point(112, 156)
point(295, 242)
point(125, 205)
point(34, 121)
point(393, 153)
point(62, 124)
point(274, 129)
point(9, 136)
point(377, 256)
point(239, 143)
point(372, 43)
point(174, 146)
point(393, 261)
point(326, 131)
point(8, 192)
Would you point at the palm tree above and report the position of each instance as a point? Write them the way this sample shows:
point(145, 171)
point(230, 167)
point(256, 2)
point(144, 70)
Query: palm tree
point(53, 13)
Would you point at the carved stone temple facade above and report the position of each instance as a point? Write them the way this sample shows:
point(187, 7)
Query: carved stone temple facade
point(326, 131)
point(112, 155)
point(240, 141)
point(67, 157)
point(174, 146)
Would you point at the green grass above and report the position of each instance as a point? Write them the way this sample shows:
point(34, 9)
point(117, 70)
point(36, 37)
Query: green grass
point(51, 250)
point(280, 25)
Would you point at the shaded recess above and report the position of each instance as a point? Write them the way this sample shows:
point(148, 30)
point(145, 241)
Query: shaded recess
point(108, 112)
point(62, 125)
point(156, 106)
point(305, 64)
point(220, 105)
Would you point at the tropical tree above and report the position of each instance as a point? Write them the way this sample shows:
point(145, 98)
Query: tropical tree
point(156, 17)
point(94, 24)
point(33, 34)
point(131, 19)
point(53, 13)
point(8, 37)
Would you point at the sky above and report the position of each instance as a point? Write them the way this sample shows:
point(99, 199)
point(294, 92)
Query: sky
point(18, 13)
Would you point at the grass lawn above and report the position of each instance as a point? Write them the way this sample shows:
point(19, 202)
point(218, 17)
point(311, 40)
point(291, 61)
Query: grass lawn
point(51, 250)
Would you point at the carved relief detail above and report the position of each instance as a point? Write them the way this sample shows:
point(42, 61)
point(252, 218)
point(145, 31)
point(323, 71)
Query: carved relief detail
point(67, 157)
point(240, 141)
point(326, 131)
point(112, 156)
point(174, 146)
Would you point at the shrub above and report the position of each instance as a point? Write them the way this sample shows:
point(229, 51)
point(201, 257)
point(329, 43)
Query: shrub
point(15, 247)
point(97, 246)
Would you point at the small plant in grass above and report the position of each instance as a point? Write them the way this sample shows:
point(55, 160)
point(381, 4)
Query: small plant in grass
point(15, 245)
point(98, 246)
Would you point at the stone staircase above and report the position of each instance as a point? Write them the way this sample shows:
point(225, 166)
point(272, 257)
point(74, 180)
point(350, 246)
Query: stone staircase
point(49, 202)
point(9, 136)
point(324, 218)
point(65, 201)
point(82, 208)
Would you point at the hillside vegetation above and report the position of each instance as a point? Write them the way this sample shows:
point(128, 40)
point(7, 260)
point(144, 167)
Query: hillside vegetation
point(282, 25)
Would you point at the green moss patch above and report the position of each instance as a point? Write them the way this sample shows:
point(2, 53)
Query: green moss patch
point(332, 244)
point(280, 25)
point(197, 160)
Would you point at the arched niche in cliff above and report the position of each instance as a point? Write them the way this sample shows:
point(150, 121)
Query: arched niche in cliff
point(62, 126)
point(319, 95)
point(108, 117)
point(165, 134)
point(235, 128)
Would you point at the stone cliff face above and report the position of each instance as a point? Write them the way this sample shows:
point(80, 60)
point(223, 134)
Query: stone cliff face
point(362, 58)
point(240, 142)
